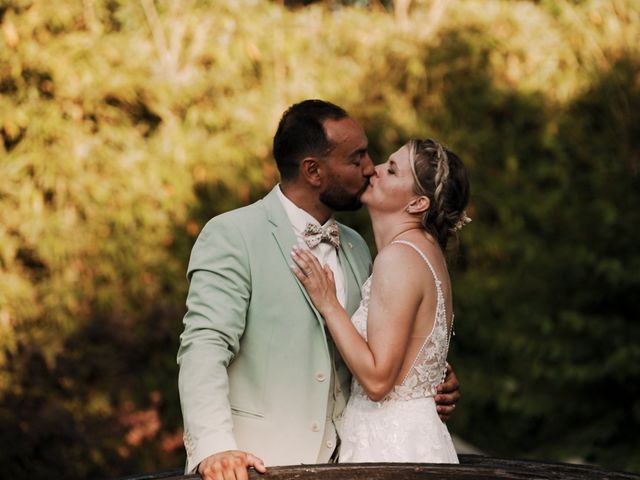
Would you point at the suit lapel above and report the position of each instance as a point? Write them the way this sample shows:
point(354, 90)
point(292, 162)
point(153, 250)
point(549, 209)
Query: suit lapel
point(352, 289)
point(285, 237)
point(281, 226)
point(352, 274)
point(346, 248)
point(282, 230)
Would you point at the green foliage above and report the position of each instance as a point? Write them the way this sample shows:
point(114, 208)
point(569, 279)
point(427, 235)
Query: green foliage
point(126, 125)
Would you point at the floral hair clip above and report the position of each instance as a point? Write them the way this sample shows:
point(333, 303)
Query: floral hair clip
point(464, 220)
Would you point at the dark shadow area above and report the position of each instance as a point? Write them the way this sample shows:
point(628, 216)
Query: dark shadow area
point(546, 304)
point(98, 408)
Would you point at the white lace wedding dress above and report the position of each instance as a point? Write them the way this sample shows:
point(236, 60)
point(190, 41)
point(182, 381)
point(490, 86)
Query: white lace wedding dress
point(404, 426)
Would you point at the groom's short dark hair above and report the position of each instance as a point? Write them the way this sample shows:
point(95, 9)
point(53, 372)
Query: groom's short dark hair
point(301, 134)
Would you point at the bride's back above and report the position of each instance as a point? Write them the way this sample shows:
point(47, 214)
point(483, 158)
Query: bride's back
point(425, 355)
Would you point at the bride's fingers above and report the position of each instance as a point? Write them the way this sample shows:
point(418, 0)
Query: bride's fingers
point(308, 257)
point(305, 267)
point(314, 266)
point(307, 262)
point(298, 273)
point(301, 273)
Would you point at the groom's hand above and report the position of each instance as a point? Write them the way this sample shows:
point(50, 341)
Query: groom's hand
point(229, 465)
point(448, 394)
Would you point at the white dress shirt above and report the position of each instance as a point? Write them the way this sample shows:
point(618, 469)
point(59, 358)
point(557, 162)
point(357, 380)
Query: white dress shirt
point(324, 252)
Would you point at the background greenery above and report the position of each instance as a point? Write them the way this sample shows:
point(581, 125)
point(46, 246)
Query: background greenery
point(125, 125)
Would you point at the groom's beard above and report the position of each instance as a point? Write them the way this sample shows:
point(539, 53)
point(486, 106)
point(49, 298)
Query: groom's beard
point(340, 200)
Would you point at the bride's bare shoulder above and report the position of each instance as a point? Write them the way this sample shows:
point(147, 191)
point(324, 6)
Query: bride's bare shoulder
point(395, 259)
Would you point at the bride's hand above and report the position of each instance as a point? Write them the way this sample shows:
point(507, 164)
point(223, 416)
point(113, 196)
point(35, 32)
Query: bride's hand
point(318, 281)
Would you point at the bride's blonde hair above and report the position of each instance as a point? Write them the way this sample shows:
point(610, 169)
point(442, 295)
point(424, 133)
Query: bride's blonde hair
point(440, 175)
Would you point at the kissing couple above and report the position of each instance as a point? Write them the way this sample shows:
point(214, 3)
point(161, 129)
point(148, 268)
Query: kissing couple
point(296, 349)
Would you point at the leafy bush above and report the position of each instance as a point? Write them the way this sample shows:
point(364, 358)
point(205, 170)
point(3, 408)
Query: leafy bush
point(126, 125)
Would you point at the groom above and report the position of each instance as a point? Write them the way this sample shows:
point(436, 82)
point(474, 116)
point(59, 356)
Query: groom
point(258, 372)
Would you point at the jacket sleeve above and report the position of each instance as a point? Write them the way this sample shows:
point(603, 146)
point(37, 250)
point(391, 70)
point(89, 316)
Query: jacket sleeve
point(219, 293)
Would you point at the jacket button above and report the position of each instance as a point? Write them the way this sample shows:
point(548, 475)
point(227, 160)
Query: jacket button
point(315, 427)
point(321, 377)
point(330, 444)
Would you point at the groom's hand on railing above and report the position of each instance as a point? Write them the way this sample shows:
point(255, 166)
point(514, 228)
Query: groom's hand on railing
point(229, 465)
point(448, 394)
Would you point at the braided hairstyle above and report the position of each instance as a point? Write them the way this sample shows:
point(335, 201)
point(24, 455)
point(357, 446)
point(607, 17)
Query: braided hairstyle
point(440, 175)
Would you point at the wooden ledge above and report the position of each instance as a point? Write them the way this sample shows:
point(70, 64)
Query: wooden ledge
point(476, 467)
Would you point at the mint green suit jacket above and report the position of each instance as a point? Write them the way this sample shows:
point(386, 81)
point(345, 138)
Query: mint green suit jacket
point(255, 361)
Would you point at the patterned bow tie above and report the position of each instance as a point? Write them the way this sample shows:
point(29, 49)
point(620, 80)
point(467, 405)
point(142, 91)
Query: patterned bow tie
point(313, 235)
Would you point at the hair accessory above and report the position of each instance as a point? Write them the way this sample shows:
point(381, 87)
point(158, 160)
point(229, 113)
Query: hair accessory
point(464, 220)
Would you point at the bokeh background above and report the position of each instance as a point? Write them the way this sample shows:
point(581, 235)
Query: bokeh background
point(126, 124)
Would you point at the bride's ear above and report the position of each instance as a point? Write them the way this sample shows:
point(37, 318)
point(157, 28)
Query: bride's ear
point(419, 204)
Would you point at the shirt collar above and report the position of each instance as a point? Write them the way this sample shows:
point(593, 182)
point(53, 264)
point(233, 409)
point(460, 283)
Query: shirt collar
point(297, 216)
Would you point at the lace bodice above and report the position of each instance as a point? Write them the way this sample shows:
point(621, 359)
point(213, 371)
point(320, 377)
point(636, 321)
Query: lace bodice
point(429, 367)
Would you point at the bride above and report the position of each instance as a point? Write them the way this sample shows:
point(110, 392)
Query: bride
point(396, 343)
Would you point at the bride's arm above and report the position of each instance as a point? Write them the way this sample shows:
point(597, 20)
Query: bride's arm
point(396, 292)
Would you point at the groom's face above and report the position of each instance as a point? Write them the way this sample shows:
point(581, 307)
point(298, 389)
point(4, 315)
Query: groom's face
point(348, 165)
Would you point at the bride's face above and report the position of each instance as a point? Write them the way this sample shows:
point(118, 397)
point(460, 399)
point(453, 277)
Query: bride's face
point(391, 186)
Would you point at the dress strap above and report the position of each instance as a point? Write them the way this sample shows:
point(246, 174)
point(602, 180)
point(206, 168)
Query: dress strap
point(424, 257)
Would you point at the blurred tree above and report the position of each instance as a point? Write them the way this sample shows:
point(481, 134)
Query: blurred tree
point(125, 126)
point(334, 3)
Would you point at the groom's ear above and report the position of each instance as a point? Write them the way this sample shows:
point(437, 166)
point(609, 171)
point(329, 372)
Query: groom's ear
point(310, 171)
point(419, 204)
